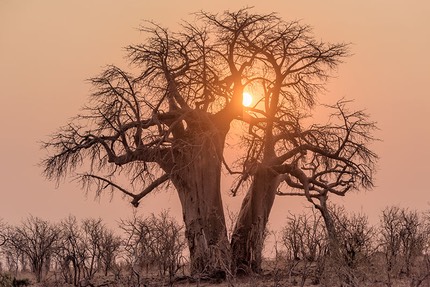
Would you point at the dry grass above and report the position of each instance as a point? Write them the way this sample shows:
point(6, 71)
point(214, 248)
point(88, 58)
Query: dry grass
point(276, 275)
point(275, 280)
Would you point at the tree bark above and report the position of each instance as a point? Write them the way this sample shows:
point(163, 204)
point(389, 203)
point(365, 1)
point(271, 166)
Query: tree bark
point(248, 236)
point(196, 174)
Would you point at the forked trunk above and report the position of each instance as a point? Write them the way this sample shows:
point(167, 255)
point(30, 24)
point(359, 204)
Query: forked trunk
point(248, 236)
point(196, 176)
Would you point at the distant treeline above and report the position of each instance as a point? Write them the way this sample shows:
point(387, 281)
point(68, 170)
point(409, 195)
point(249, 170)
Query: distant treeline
point(79, 251)
point(358, 254)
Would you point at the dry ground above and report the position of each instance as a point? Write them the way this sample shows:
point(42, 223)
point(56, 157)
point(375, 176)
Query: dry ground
point(260, 281)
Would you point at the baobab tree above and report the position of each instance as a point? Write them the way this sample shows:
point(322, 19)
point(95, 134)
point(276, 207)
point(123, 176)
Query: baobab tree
point(158, 126)
point(289, 68)
point(296, 160)
point(167, 123)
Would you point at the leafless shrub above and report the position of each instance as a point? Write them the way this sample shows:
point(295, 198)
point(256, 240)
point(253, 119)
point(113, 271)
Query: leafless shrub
point(404, 240)
point(70, 256)
point(92, 238)
point(350, 254)
point(152, 250)
point(168, 243)
point(11, 255)
point(277, 262)
point(85, 248)
point(34, 240)
point(135, 246)
point(423, 274)
point(305, 241)
point(109, 249)
point(155, 241)
point(355, 236)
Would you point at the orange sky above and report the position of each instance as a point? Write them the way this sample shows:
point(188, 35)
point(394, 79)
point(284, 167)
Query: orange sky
point(48, 48)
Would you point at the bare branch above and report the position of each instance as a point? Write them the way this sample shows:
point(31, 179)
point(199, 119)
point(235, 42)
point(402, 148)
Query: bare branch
point(104, 183)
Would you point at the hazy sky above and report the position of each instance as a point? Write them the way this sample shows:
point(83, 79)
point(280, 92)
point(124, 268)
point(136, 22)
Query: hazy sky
point(48, 48)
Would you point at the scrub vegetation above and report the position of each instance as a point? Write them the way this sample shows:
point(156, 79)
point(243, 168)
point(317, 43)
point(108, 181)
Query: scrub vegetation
point(151, 251)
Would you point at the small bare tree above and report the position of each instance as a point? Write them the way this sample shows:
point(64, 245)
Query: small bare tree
point(85, 248)
point(36, 238)
point(136, 246)
point(355, 238)
point(92, 237)
point(12, 255)
point(109, 249)
point(305, 240)
point(403, 239)
point(168, 244)
point(423, 271)
point(154, 242)
point(70, 255)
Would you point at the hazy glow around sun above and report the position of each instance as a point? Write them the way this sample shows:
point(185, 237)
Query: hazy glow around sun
point(247, 99)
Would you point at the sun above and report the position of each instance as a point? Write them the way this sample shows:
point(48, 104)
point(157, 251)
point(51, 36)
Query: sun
point(247, 99)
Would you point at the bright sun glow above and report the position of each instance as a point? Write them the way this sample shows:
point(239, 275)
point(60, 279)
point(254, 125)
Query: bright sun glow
point(247, 99)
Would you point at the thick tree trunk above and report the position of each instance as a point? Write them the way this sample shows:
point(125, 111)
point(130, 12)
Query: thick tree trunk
point(248, 236)
point(196, 175)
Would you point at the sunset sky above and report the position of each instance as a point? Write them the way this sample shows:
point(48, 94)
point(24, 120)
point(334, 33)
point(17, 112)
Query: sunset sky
point(49, 48)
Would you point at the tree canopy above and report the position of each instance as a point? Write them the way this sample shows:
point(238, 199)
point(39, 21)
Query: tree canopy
point(167, 122)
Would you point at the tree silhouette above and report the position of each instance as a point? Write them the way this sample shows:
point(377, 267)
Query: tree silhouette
point(167, 122)
point(36, 240)
point(289, 68)
point(313, 162)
